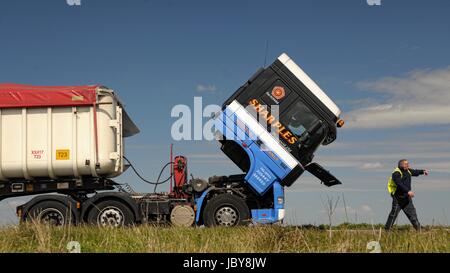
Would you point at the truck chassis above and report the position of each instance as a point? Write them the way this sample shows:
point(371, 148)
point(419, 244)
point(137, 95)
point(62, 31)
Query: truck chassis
point(227, 201)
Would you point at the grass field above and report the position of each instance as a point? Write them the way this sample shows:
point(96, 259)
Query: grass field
point(344, 238)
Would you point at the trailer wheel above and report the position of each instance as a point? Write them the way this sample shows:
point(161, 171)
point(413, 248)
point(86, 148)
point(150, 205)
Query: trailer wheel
point(226, 210)
point(51, 212)
point(110, 213)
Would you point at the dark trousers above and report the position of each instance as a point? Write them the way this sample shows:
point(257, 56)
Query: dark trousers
point(405, 204)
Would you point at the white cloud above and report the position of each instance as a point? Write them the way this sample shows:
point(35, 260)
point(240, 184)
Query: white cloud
point(342, 210)
point(420, 97)
point(363, 208)
point(366, 208)
point(437, 162)
point(206, 155)
point(371, 165)
point(206, 88)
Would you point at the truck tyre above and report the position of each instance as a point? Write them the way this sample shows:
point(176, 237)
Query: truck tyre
point(51, 212)
point(110, 213)
point(226, 210)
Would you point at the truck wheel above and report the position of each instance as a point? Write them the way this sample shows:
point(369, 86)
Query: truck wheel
point(110, 213)
point(52, 213)
point(226, 210)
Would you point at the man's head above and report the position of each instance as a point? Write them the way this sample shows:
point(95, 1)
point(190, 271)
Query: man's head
point(403, 164)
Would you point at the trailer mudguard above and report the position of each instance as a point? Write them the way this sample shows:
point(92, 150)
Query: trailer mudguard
point(121, 196)
point(64, 199)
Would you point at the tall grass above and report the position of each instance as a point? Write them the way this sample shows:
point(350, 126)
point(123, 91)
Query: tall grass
point(33, 237)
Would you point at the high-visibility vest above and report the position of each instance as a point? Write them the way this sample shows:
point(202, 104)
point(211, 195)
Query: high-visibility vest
point(391, 186)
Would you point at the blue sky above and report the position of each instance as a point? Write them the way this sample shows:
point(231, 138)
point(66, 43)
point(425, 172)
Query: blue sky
point(387, 67)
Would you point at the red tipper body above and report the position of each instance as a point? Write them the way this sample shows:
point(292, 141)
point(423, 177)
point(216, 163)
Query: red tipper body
point(24, 96)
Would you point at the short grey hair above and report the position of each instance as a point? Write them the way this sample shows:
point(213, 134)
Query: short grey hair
point(401, 161)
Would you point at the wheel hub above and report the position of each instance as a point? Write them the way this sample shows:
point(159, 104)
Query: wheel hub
point(51, 216)
point(111, 216)
point(226, 216)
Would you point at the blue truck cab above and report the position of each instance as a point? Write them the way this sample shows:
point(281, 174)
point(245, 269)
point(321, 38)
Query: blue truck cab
point(270, 128)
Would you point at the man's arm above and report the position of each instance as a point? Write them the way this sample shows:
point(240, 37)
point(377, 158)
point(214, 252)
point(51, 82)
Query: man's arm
point(416, 172)
point(398, 181)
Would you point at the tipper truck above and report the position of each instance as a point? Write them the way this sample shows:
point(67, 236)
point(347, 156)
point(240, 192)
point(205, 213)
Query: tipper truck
point(65, 144)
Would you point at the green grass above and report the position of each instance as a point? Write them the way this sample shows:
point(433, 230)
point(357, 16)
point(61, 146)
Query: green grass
point(345, 238)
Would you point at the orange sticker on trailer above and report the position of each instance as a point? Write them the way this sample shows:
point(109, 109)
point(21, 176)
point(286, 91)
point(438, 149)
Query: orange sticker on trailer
point(62, 154)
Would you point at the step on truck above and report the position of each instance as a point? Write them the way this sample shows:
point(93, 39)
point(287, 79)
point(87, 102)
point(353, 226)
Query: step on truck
point(65, 144)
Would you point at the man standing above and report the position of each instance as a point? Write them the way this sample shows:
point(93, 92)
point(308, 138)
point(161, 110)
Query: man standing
point(399, 186)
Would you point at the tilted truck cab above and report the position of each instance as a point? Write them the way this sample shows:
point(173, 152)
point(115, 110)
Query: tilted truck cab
point(271, 127)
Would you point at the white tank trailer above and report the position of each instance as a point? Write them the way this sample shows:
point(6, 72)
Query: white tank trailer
point(61, 132)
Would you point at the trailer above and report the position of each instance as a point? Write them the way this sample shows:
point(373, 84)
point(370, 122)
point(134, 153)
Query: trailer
point(65, 145)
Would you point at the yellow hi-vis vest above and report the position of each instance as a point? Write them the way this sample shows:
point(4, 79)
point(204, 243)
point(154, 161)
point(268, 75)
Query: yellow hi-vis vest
point(391, 186)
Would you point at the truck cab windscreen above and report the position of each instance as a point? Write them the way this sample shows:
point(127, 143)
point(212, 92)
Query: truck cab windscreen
point(309, 129)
